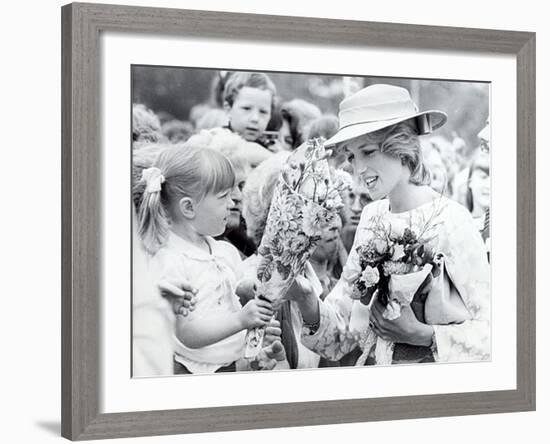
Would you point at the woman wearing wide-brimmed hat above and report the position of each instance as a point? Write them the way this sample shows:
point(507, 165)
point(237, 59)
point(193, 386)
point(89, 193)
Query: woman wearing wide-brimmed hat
point(450, 321)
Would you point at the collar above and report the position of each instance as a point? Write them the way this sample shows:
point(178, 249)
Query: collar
point(182, 246)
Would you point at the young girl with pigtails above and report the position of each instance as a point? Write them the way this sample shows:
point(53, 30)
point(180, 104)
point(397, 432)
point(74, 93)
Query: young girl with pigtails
point(185, 203)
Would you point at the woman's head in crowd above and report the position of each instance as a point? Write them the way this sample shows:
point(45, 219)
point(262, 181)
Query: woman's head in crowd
point(248, 100)
point(325, 127)
point(177, 131)
point(146, 127)
point(296, 115)
point(385, 159)
point(197, 111)
point(258, 192)
point(327, 248)
point(379, 130)
point(436, 167)
point(478, 194)
point(213, 118)
point(188, 188)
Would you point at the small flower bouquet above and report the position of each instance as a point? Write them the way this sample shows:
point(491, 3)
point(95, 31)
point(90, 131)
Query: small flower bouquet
point(305, 203)
point(395, 264)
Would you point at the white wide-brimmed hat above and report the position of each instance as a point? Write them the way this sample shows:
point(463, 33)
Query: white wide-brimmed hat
point(379, 106)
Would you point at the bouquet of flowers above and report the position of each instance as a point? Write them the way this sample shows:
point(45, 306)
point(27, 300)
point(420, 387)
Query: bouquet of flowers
point(395, 265)
point(304, 204)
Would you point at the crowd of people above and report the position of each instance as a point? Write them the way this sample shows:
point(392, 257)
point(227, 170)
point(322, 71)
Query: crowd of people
point(202, 190)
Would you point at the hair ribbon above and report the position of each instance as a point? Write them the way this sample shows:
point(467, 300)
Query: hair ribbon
point(153, 178)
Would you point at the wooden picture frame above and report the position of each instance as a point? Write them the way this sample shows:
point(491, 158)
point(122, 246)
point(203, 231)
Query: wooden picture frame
point(81, 234)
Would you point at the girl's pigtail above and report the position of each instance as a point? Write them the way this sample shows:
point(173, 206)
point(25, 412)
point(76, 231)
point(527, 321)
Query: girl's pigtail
point(152, 220)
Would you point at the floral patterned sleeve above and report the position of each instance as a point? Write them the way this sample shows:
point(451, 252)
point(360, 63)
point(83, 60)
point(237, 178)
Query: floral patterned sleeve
point(333, 339)
point(468, 270)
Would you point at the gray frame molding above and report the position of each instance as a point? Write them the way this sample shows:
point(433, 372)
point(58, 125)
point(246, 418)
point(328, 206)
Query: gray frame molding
point(81, 167)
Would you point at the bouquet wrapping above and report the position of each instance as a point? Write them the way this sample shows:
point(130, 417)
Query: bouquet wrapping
point(305, 203)
point(394, 265)
point(402, 288)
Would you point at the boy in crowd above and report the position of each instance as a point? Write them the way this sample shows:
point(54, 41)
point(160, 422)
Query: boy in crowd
point(248, 99)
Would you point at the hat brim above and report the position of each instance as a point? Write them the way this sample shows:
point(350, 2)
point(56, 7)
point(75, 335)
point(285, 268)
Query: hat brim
point(437, 118)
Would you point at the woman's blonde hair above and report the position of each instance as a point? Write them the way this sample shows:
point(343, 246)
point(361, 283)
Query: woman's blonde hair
point(187, 170)
point(225, 142)
point(258, 192)
point(401, 140)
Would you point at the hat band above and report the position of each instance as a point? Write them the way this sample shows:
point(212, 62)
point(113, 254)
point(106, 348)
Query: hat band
point(376, 113)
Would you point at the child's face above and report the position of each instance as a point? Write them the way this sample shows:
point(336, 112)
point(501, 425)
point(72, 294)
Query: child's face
point(250, 112)
point(212, 213)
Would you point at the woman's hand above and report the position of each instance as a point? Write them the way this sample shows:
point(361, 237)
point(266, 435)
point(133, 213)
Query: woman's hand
point(405, 329)
point(180, 294)
point(301, 291)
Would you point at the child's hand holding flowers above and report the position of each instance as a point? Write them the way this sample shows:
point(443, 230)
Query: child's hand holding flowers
point(256, 313)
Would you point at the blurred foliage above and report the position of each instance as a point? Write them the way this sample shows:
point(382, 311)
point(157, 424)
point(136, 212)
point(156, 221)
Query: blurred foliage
point(172, 92)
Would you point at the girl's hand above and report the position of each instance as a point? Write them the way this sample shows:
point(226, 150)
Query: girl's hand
point(246, 290)
point(256, 313)
point(405, 329)
point(180, 294)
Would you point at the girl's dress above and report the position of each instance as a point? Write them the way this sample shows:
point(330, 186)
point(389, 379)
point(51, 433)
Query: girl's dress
point(457, 306)
point(215, 276)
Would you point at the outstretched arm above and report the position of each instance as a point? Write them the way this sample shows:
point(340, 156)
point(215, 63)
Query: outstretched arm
point(326, 323)
point(197, 332)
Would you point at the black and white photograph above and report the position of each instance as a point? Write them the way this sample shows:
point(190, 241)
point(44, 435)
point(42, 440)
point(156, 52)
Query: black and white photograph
point(288, 221)
point(275, 221)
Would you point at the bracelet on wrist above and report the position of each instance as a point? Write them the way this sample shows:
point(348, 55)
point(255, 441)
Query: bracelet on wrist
point(311, 327)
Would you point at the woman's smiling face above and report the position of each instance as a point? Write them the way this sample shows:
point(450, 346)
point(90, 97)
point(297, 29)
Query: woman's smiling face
point(379, 172)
